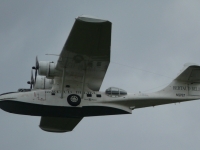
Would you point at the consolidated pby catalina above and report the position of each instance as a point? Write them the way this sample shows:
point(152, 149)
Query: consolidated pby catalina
point(67, 91)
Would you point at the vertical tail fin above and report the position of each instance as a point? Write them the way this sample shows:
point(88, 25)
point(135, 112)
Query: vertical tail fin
point(187, 83)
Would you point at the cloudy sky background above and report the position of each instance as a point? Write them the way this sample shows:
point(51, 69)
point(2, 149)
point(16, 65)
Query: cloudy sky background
point(151, 41)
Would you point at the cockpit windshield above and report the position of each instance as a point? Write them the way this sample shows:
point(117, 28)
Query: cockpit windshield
point(115, 92)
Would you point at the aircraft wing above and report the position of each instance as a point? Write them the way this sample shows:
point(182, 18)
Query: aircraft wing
point(190, 73)
point(86, 53)
point(58, 124)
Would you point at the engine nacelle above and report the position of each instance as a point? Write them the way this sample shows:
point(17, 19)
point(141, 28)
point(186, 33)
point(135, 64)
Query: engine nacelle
point(43, 83)
point(47, 69)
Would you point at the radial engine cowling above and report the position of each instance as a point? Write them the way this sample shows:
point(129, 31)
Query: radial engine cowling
point(47, 69)
point(43, 83)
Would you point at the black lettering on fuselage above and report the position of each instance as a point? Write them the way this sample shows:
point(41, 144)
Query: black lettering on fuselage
point(180, 95)
point(180, 88)
point(195, 88)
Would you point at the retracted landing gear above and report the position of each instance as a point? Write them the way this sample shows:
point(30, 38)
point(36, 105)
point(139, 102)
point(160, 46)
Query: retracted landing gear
point(74, 100)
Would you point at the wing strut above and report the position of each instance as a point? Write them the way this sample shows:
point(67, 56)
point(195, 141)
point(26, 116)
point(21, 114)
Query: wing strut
point(63, 81)
point(83, 83)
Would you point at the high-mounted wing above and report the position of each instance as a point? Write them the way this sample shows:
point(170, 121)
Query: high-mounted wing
point(86, 53)
point(56, 124)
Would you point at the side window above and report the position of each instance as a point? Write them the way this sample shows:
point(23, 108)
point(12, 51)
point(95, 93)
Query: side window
point(89, 95)
point(115, 91)
point(98, 95)
point(122, 92)
point(108, 91)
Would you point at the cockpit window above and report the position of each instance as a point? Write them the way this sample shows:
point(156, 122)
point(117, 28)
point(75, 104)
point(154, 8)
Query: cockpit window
point(115, 92)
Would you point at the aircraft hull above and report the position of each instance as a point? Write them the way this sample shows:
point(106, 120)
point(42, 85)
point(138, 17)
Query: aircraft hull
point(57, 111)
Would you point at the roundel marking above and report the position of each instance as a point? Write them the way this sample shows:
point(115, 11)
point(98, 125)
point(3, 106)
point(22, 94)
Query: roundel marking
point(74, 100)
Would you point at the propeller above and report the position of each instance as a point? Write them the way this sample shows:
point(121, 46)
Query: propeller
point(32, 81)
point(36, 67)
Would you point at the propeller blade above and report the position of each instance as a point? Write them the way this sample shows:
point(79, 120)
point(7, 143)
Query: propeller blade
point(36, 63)
point(36, 67)
point(31, 82)
point(35, 74)
point(32, 79)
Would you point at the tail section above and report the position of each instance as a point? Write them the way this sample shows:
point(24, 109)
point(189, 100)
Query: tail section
point(187, 83)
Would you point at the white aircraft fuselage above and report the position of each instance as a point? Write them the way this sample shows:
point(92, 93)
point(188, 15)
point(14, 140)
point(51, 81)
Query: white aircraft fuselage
point(50, 103)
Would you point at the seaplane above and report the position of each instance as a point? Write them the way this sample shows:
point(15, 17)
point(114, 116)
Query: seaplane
point(67, 91)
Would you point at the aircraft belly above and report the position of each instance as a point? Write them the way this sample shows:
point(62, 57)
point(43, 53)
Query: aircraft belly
point(38, 109)
point(34, 109)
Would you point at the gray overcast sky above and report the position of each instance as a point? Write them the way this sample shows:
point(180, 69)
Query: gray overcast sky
point(156, 36)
